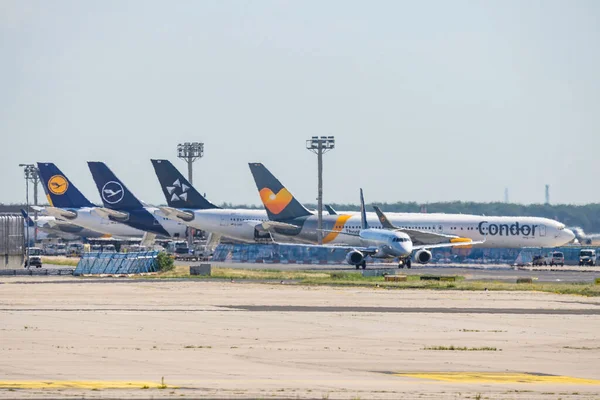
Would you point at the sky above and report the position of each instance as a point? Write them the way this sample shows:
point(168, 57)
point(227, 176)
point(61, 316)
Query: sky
point(428, 100)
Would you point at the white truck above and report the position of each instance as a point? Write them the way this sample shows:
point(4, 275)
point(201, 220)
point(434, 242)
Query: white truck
point(587, 257)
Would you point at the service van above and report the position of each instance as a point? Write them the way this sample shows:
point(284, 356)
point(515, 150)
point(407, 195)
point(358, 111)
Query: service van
point(587, 257)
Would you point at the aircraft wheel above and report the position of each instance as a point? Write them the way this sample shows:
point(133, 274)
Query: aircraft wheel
point(364, 265)
point(408, 264)
point(357, 266)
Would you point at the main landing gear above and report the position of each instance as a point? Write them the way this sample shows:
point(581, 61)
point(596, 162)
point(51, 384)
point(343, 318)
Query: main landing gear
point(362, 265)
point(402, 263)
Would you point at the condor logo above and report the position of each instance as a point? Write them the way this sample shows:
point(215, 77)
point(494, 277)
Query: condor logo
point(505, 229)
point(58, 185)
point(275, 203)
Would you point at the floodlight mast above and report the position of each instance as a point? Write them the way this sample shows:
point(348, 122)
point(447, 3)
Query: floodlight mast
point(190, 152)
point(320, 146)
point(31, 174)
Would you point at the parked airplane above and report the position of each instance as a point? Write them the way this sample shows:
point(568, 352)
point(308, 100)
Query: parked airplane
point(67, 203)
point(49, 226)
point(296, 222)
point(393, 242)
point(586, 239)
point(122, 206)
point(188, 206)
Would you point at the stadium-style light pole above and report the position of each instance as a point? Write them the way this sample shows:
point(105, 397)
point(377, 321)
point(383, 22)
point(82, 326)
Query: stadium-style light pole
point(190, 152)
point(29, 170)
point(32, 175)
point(320, 146)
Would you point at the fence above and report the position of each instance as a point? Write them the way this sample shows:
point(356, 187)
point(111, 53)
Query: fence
point(11, 241)
point(117, 263)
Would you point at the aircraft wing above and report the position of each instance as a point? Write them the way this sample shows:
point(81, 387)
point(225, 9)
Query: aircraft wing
point(428, 238)
point(107, 212)
point(418, 237)
point(171, 213)
point(465, 243)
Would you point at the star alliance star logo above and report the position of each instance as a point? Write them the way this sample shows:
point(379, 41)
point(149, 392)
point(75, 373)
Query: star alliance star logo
point(173, 189)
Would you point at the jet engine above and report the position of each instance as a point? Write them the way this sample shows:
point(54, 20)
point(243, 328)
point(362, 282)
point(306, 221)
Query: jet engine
point(355, 257)
point(423, 256)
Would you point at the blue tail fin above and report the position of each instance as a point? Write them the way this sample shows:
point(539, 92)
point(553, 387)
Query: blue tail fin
point(363, 212)
point(178, 191)
point(113, 192)
point(278, 201)
point(27, 218)
point(59, 189)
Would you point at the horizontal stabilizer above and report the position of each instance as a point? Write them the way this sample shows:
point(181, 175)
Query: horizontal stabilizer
point(107, 213)
point(176, 213)
point(60, 212)
point(267, 225)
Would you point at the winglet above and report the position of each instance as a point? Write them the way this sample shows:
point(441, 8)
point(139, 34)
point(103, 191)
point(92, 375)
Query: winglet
point(363, 212)
point(385, 222)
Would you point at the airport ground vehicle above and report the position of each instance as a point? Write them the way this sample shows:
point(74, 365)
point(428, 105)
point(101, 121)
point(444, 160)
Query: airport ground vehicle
point(539, 260)
point(587, 257)
point(34, 257)
point(74, 250)
point(50, 249)
point(556, 258)
point(61, 249)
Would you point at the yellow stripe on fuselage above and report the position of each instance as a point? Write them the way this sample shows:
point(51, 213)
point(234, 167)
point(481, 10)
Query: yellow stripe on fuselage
point(337, 227)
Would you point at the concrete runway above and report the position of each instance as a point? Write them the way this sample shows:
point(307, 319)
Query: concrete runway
point(70, 337)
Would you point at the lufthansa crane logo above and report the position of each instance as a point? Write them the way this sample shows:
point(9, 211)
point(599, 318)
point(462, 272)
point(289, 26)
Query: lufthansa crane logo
point(112, 192)
point(58, 185)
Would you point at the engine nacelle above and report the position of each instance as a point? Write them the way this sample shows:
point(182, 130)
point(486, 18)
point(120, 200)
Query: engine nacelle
point(355, 257)
point(423, 256)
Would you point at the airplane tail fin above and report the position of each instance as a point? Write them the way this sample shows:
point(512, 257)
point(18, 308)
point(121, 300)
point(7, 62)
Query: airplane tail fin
point(60, 191)
point(363, 212)
point(278, 201)
point(27, 218)
point(113, 192)
point(177, 190)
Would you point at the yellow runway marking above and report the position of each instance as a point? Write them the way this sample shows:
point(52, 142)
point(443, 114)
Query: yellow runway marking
point(499, 377)
point(50, 384)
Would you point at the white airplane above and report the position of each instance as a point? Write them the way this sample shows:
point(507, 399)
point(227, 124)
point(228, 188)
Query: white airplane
point(394, 242)
point(48, 226)
point(586, 239)
point(68, 204)
point(286, 220)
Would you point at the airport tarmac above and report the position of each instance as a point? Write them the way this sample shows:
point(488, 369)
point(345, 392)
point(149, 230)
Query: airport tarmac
point(228, 340)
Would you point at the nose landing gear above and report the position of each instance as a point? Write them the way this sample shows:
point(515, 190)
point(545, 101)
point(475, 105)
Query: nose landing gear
point(402, 263)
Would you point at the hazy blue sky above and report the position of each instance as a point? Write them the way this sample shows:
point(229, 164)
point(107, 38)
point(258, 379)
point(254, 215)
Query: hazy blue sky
point(428, 100)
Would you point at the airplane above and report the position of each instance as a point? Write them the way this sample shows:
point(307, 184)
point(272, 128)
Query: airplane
point(49, 226)
point(121, 205)
point(392, 242)
point(295, 221)
point(586, 239)
point(186, 205)
point(68, 204)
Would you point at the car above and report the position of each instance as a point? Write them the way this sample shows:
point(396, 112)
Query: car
point(539, 260)
point(33, 257)
point(557, 258)
point(587, 257)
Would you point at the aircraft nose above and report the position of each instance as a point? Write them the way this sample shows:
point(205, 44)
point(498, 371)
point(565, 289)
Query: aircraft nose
point(567, 235)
